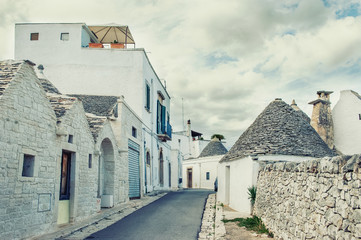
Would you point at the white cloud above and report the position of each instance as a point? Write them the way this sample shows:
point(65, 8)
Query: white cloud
point(227, 59)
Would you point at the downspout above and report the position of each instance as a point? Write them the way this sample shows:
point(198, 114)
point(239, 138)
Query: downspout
point(151, 129)
point(145, 165)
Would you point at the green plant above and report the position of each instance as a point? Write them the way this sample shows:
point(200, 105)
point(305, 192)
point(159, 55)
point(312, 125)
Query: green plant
point(254, 224)
point(219, 136)
point(252, 192)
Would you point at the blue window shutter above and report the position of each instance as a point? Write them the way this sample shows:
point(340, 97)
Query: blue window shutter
point(163, 119)
point(158, 116)
point(148, 97)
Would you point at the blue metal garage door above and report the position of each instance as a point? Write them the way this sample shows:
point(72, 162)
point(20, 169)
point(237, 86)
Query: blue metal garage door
point(134, 175)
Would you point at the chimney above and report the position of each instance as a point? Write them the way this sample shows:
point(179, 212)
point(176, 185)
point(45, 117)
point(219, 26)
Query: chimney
point(321, 119)
point(294, 105)
point(189, 128)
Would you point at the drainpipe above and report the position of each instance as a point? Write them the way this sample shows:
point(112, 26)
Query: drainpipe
point(151, 129)
point(145, 165)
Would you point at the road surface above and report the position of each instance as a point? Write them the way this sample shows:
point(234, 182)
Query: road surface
point(175, 216)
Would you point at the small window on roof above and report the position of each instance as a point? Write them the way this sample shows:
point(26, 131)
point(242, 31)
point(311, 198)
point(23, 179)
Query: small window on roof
point(64, 36)
point(34, 36)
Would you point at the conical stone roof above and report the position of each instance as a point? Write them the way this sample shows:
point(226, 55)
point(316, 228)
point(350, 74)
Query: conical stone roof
point(279, 130)
point(213, 148)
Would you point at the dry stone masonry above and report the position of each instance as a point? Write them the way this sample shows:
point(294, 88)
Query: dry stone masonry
point(207, 228)
point(318, 199)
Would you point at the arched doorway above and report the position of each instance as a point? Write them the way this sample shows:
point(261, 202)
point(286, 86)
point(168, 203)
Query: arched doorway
point(161, 168)
point(106, 171)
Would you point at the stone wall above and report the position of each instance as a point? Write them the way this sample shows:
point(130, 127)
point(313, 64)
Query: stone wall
point(317, 199)
point(27, 126)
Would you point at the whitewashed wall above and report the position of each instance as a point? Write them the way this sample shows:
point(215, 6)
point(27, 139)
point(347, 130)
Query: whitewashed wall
point(347, 123)
point(243, 174)
point(200, 167)
point(76, 69)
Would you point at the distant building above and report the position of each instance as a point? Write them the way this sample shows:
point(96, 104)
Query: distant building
point(347, 122)
point(201, 172)
point(279, 133)
point(88, 60)
point(185, 145)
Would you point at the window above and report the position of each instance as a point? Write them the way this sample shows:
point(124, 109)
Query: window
point(148, 158)
point(359, 116)
point(134, 132)
point(28, 166)
point(34, 36)
point(70, 138)
point(90, 161)
point(207, 175)
point(147, 97)
point(64, 36)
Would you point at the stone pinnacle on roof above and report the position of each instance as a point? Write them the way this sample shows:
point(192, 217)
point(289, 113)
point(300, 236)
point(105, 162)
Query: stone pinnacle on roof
point(279, 130)
point(299, 111)
point(213, 148)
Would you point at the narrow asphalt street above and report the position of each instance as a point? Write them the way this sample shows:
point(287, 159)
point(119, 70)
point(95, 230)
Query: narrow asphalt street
point(175, 216)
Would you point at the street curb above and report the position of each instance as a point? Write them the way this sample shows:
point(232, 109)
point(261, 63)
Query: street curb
point(220, 229)
point(212, 227)
point(123, 209)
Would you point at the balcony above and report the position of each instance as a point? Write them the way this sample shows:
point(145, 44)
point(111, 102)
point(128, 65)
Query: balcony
point(165, 134)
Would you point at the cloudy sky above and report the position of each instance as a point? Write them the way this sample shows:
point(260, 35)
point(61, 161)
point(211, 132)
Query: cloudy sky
point(226, 59)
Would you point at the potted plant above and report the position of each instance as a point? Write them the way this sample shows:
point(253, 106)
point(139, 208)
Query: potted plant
point(95, 45)
point(115, 44)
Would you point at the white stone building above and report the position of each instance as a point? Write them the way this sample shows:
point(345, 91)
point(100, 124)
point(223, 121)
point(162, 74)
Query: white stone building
point(78, 60)
point(57, 166)
point(279, 133)
point(185, 145)
point(346, 116)
point(201, 172)
point(127, 129)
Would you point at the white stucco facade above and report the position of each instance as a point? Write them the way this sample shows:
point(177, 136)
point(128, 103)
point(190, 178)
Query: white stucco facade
point(203, 172)
point(347, 123)
point(75, 68)
point(236, 176)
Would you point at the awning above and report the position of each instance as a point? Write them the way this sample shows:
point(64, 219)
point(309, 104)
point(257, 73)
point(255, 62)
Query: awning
point(112, 33)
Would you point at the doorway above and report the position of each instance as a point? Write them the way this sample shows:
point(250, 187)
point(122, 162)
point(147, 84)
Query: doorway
point(64, 195)
point(228, 187)
point(161, 168)
point(134, 169)
point(106, 173)
point(189, 177)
